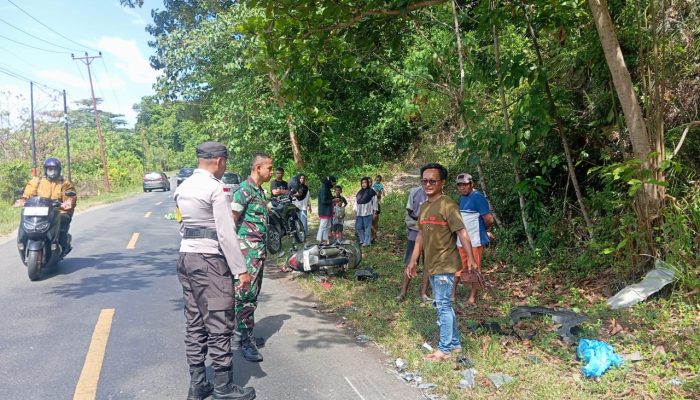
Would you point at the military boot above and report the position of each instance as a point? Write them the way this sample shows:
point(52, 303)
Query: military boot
point(224, 389)
point(200, 388)
point(248, 346)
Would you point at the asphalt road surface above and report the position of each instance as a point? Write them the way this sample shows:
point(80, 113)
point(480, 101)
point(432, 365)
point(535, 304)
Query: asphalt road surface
point(107, 323)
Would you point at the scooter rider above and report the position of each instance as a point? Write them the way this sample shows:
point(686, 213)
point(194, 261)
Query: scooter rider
point(55, 187)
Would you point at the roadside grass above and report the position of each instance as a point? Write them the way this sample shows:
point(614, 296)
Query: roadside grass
point(9, 216)
point(663, 329)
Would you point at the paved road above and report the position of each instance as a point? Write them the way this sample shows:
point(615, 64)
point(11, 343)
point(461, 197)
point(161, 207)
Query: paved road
point(47, 326)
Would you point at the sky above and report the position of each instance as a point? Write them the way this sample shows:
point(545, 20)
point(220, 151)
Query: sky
point(121, 77)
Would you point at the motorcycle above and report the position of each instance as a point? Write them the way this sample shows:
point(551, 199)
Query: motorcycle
point(283, 220)
point(330, 259)
point(38, 235)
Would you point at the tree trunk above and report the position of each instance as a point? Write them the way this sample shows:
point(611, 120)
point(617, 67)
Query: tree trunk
point(458, 100)
point(648, 200)
point(506, 124)
point(560, 126)
point(484, 190)
point(281, 102)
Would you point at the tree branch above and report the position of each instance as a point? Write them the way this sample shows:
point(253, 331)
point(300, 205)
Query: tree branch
point(378, 11)
point(685, 133)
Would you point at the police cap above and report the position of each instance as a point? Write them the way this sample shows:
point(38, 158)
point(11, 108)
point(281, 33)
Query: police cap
point(211, 150)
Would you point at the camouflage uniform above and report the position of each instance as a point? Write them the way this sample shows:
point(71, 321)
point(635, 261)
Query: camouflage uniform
point(249, 201)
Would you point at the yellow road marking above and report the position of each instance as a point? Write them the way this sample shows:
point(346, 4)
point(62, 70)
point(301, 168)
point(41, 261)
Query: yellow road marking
point(148, 214)
point(90, 375)
point(132, 242)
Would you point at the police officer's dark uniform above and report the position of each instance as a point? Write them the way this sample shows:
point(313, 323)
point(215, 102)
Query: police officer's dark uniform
point(210, 257)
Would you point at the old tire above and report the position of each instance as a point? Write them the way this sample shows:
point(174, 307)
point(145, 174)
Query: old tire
point(34, 261)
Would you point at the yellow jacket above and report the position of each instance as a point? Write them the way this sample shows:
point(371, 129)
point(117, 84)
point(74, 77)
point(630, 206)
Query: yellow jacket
point(56, 190)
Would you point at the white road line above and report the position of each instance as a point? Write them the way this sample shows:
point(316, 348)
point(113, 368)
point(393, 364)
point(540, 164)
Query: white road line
point(354, 388)
point(148, 214)
point(159, 203)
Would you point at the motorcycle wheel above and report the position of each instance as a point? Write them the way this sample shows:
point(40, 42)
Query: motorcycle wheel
point(299, 233)
point(34, 261)
point(354, 252)
point(274, 239)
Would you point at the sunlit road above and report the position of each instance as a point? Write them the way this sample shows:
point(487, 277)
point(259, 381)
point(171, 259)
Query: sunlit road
point(107, 323)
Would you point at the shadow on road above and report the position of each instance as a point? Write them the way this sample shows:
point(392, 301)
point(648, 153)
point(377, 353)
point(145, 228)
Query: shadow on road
point(112, 273)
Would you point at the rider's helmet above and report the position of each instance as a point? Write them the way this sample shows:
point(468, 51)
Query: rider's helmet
point(52, 168)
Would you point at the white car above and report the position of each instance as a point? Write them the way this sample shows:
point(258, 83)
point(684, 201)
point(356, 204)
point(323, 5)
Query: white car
point(232, 181)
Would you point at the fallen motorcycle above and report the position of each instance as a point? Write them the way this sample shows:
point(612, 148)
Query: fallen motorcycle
point(330, 259)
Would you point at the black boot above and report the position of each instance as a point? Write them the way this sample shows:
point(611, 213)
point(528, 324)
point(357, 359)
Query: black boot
point(200, 388)
point(249, 348)
point(224, 389)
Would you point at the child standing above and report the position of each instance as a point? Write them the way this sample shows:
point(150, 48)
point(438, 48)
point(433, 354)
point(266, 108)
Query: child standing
point(339, 204)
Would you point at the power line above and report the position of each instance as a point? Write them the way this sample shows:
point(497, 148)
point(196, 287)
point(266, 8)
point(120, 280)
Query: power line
point(49, 28)
point(19, 58)
point(34, 47)
point(8, 71)
point(37, 37)
point(114, 92)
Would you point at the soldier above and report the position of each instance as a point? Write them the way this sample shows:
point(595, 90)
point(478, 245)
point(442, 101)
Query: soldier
point(210, 259)
point(249, 209)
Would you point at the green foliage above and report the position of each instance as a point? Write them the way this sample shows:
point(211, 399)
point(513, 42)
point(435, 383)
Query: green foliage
point(14, 175)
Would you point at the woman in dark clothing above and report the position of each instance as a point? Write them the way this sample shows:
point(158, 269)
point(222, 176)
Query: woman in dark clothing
point(325, 208)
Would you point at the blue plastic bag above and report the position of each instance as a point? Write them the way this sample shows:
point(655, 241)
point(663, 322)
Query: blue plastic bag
point(598, 356)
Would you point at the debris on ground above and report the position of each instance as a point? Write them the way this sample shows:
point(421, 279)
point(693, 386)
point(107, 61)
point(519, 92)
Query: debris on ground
point(468, 380)
point(366, 274)
point(427, 346)
point(675, 382)
point(411, 377)
point(427, 386)
point(362, 339)
point(598, 356)
point(634, 357)
point(653, 281)
point(400, 364)
point(498, 379)
point(568, 320)
point(464, 361)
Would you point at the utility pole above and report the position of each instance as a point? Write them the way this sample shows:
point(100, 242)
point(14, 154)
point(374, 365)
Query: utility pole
point(88, 60)
point(65, 124)
point(31, 100)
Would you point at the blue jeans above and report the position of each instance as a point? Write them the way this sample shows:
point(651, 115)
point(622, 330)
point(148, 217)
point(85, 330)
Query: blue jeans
point(363, 226)
point(304, 222)
point(447, 320)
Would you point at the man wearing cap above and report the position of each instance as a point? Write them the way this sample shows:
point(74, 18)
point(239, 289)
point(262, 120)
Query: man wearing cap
point(477, 219)
point(249, 209)
point(210, 259)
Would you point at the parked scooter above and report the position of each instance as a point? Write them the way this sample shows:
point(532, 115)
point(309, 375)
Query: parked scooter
point(38, 235)
point(330, 259)
point(283, 220)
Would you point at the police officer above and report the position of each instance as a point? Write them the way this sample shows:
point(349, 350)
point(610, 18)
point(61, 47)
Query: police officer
point(210, 258)
point(249, 209)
